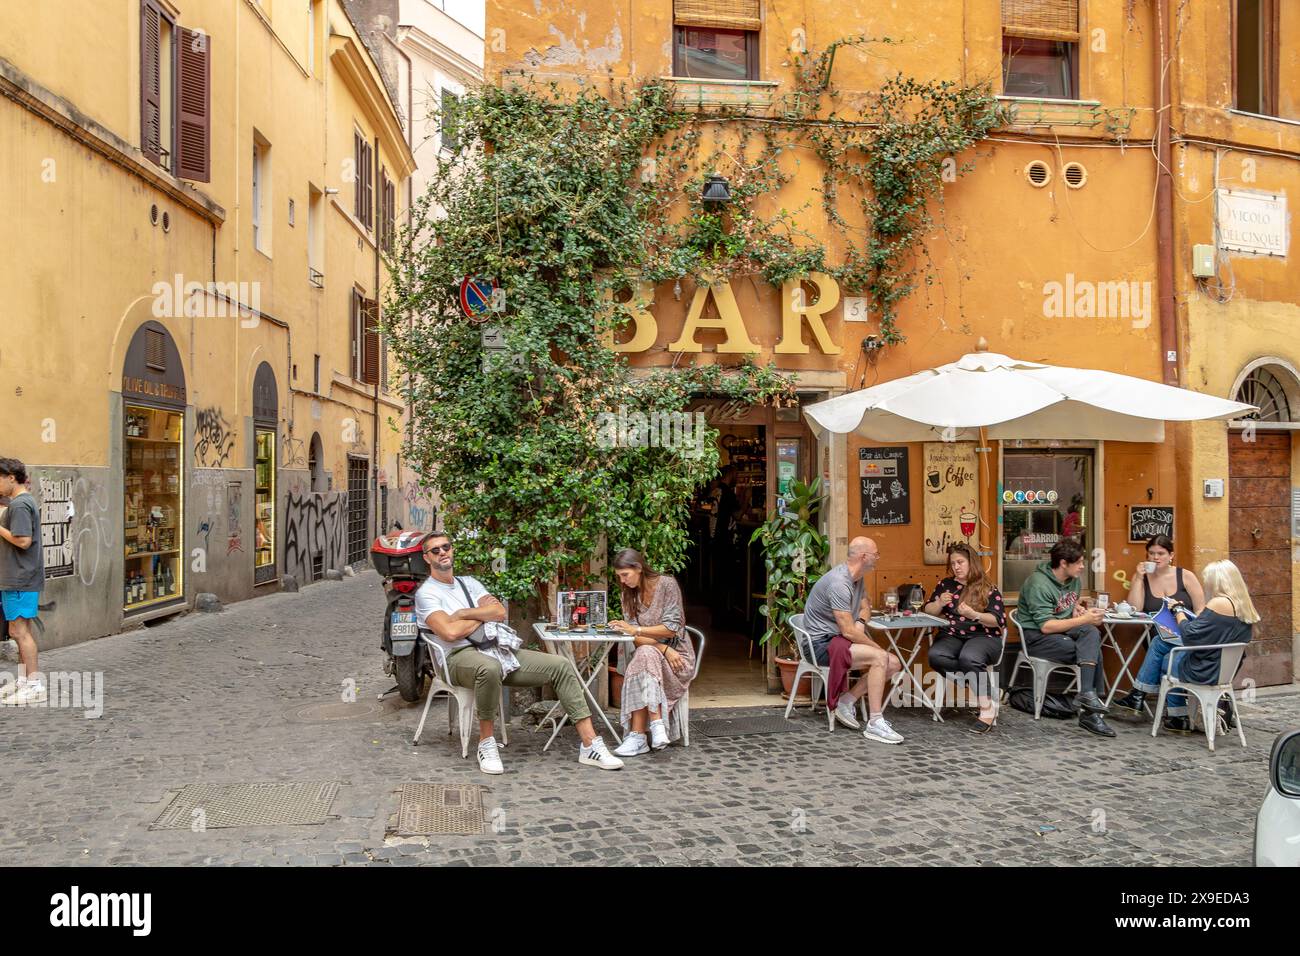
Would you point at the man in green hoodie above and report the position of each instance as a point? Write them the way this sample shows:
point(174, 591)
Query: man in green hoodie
point(1057, 627)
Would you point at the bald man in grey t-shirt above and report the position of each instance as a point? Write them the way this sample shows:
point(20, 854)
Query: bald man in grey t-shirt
point(838, 604)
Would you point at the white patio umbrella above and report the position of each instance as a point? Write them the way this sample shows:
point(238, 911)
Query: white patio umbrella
point(1011, 398)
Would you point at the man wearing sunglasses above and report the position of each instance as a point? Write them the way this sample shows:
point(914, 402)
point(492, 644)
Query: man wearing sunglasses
point(455, 610)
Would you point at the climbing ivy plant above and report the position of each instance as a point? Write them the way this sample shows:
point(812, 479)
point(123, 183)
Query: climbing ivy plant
point(570, 198)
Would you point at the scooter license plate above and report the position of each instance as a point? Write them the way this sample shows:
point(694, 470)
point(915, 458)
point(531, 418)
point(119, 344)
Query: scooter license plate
point(403, 624)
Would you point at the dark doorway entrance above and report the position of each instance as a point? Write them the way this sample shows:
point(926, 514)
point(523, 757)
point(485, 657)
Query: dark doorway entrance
point(358, 509)
point(761, 451)
point(1259, 543)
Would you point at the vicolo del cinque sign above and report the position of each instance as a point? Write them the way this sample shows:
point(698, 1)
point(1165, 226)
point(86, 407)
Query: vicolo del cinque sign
point(797, 308)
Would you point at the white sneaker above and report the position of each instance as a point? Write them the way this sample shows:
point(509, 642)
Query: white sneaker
point(10, 689)
point(880, 731)
point(32, 692)
point(633, 745)
point(658, 734)
point(844, 712)
point(489, 758)
point(598, 755)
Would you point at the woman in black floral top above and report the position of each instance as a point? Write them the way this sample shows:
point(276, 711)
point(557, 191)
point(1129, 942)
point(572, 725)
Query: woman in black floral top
point(973, 638)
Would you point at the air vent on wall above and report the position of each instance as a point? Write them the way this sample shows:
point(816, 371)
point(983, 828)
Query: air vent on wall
point(1038, 173)
point(1075, 175)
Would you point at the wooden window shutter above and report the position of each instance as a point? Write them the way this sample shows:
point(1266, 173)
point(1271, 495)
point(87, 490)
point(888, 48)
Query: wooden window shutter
point(388, 213)
point(1041, 19)
point(151, 81)
point(194, 107)
point(383, 209)
point(155, 350)
point(368, 185)
point(358, 194)
point(354, 334)
point(722, 14)
point(370, 348)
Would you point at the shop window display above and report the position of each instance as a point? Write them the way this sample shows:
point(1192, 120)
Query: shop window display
point(152, 490)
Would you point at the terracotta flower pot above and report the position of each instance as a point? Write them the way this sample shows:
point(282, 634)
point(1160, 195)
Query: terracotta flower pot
point(787, 667)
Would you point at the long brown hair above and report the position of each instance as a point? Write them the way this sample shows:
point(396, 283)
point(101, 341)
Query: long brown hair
point(978, 588)
point(635, 600)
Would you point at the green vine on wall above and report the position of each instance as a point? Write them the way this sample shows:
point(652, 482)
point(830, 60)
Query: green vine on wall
point(570, 198)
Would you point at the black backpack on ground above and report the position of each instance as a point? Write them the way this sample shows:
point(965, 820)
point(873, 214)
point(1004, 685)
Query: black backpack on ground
point(1055, 706)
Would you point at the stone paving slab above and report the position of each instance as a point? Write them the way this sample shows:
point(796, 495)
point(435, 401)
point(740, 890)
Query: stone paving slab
point(218, 699)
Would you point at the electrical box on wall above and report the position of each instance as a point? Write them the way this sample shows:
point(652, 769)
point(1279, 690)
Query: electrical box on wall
point(1214, 487)
point(1203, 261)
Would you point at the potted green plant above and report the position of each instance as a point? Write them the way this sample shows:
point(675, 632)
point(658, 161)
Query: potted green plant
point(794, 553)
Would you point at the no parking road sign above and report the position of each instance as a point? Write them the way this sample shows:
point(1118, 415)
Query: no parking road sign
point(479, 297)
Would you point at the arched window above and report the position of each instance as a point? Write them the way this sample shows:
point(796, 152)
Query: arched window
point(316, 464)
point(1266, 392)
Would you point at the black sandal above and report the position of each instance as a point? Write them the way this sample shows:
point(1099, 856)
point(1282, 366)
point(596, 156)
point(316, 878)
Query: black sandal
point(979, 728)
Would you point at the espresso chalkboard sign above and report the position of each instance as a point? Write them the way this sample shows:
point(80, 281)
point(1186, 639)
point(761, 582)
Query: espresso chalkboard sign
point(1144, 521)
point(885, 488)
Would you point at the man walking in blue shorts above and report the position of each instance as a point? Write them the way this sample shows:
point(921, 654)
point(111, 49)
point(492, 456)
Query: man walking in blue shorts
point(22, 575)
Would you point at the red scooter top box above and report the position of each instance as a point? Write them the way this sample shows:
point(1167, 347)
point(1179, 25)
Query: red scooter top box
point(397, 555)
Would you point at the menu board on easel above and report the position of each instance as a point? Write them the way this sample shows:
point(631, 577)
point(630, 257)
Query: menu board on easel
point(951, 497)
point(885, 486)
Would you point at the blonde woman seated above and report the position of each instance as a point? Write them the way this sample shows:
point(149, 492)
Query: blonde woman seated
point(1228, 617)
point(663, 663)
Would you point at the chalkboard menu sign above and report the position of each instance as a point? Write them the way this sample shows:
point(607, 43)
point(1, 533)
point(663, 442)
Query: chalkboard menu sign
point(885, 489)
point(1144, 521)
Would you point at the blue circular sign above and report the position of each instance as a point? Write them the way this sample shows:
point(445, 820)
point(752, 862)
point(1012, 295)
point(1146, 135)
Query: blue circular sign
point(476, 295)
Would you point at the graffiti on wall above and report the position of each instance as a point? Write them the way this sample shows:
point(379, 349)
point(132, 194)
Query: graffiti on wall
point(420, 510)
point(214, 438)
point(207, 495)
point(315, 527)
point(234, 504)
point(293, 453)
point(205, 529)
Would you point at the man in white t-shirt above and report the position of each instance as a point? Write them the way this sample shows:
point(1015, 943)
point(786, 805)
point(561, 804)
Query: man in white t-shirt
point(455, 610)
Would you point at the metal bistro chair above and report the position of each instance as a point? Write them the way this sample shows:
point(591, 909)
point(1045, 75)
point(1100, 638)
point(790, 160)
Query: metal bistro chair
point(462, 697)
point(683, 709)
point(1040, 667)
point(808, 666)
point(1207, 696)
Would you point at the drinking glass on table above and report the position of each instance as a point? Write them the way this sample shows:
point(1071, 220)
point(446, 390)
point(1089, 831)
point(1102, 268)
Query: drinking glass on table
point(917, 600)
point(1103, 601)
point(891, 603)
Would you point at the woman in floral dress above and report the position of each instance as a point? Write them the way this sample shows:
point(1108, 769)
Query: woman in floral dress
point(663, 662)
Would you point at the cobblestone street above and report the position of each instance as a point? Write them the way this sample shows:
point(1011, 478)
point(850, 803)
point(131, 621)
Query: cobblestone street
point(219, 698)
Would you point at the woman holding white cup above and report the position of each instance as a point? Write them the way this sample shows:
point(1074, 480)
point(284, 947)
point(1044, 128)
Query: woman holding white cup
point(1158, 578)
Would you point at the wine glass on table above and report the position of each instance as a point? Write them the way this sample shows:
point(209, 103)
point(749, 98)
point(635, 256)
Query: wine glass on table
point(891, 603)
point(916, 599)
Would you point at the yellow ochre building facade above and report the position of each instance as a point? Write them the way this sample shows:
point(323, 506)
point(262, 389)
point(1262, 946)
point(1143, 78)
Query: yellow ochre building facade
point(196, 198)
point(1143, 144)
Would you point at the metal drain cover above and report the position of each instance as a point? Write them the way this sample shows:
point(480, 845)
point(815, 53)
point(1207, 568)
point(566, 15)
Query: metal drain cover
point(213, 806)
point(437, 808)
point(747, 726)
point(335, 710)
